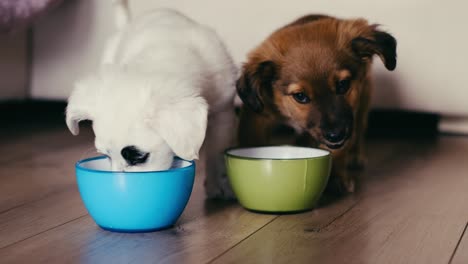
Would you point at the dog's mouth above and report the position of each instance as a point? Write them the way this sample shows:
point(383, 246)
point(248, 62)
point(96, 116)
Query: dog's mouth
point(335, 145)
point(336, 140)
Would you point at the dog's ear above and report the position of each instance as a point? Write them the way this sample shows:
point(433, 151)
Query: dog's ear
point(182, 125)
point(380, 43)
point(80, 106)
point(255, 81)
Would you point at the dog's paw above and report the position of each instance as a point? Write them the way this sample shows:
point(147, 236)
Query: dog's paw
point(338, 186)
point(220, 189)
point(350, 185)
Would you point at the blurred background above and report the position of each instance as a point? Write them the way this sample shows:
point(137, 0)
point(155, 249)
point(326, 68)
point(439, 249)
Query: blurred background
point(43, 55)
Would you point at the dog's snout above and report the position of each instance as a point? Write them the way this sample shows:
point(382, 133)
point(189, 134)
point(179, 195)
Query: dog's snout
point(335, 135)
point(133, 155)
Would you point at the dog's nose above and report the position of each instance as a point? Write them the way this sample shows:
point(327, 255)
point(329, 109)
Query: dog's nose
point(336, 135)
point(133, 155)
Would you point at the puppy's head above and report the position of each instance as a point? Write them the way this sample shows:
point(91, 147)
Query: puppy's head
point(139, 122)
point(313, 75)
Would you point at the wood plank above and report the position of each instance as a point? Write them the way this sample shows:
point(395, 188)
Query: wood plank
point(460, 255)
point(34, 178)
point(40, 165)
point(39, 217)
point(35, 141)
point(37, 180)
point(40, 201)
point(412, 211)
point(401, 214)
point(206, 229)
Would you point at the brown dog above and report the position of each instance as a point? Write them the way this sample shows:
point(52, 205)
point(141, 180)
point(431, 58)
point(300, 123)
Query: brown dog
point(309, 84)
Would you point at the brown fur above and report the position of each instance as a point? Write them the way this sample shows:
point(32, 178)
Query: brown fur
point(292, 88)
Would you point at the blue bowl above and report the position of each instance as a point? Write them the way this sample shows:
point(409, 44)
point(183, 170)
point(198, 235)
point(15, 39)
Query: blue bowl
point(134, 201)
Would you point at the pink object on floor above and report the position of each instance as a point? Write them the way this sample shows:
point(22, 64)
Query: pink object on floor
point(19, 13)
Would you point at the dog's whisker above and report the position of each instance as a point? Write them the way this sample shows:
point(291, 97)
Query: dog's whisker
point(90, 152)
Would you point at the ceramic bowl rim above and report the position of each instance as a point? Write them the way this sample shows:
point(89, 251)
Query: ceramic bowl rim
point(227, 154)
point(79, 167)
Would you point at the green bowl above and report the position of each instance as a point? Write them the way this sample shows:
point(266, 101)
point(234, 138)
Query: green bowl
point(278, 178)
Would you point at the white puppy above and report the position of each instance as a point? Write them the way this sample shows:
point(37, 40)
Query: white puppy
point(165, 83)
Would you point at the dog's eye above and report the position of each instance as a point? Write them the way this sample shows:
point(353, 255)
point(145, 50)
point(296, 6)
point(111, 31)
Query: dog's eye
point(342, 86)
point(301, 98)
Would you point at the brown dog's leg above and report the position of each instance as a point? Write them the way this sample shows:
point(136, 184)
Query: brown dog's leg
point(341, 181)
point(357, 158)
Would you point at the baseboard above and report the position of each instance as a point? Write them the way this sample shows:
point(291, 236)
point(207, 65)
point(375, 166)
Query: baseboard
point(389, 123)
point(32, 111)
point(395, 123)
point(453, 125)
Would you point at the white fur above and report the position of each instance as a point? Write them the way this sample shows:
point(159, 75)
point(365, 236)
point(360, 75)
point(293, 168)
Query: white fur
point(122, 14)
point(165, 82)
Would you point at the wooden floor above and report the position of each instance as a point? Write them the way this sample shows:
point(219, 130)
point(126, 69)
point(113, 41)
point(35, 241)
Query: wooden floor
point(411, 208)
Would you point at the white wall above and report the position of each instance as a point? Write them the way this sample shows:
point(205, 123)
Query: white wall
point(432, 37)
point(67, 44)
point(13, 66)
